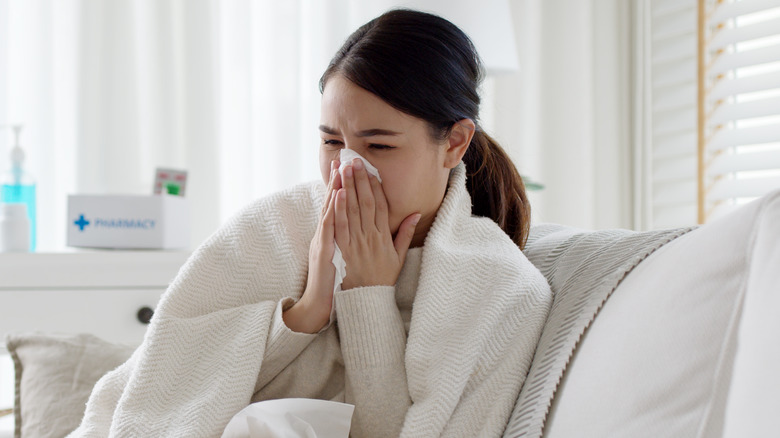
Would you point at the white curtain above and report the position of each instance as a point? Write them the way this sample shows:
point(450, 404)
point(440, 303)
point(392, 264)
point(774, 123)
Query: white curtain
point(108, 91)
point(227, 89)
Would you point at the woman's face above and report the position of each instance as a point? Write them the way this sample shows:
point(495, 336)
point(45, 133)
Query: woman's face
point(413, 166)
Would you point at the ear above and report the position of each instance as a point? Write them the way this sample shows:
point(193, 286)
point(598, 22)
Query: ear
point(460, 137)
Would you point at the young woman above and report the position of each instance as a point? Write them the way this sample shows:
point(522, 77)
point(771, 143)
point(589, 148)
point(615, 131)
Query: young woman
point(432, 329)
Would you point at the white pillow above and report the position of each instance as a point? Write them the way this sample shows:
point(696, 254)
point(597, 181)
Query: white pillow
point(658, 359)
point(55, 374)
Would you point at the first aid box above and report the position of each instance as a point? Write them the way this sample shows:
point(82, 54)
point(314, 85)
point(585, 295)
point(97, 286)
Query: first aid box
point(128, 221)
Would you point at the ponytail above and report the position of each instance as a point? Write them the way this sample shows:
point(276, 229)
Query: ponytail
point(496, 188)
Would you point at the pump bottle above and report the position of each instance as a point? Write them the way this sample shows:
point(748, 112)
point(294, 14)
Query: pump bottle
point(18, 186)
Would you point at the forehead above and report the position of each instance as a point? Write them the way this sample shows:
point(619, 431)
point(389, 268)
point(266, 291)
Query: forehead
point(347, 106)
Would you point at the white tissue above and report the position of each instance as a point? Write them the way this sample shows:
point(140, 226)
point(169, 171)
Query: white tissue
point(346, 157)
point(291, 418)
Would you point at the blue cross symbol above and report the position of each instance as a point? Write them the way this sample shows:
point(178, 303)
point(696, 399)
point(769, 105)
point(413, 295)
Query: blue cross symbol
point(81, 223)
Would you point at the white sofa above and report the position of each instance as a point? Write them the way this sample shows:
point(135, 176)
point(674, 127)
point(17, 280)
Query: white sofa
point(684, 340)
point(686, 345)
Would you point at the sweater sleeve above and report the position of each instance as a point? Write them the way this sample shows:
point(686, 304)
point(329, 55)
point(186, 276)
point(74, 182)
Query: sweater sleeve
point(373, 344)
point(283, 345)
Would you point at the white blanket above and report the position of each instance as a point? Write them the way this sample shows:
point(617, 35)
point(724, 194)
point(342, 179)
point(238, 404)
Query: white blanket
point(478, 313)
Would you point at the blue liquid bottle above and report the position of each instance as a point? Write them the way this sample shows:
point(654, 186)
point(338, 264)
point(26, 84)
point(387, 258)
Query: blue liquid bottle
point(18, 186)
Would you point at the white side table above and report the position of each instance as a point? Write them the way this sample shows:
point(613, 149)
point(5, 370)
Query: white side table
point(108, 293)
point(85, 291)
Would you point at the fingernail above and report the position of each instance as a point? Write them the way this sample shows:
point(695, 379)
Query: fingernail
point(348, 171)
point(358, 164)
point(416, 220)
point(332, 164)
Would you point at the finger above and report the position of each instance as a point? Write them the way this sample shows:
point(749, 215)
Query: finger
point(330, 189)
point(382, 211)
point(336, 180)
point(328, 223)
point(405, 234)
point(353, 208)
point(342, 223)
point(365, 196)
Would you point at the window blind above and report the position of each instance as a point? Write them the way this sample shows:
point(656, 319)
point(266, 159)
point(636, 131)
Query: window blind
point(740, 135)
point(711, 69)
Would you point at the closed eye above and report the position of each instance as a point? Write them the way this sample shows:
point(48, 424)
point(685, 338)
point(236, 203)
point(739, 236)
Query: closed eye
point(332, 142)
point(380, 146)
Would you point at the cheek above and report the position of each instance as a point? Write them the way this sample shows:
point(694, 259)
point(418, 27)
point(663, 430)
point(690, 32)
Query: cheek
point(401, 201)
point(409, 192)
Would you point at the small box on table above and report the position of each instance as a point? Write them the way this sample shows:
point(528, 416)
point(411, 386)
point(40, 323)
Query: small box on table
point(128, 221)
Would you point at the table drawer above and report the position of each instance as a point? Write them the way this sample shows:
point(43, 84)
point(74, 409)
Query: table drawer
point(111, 314)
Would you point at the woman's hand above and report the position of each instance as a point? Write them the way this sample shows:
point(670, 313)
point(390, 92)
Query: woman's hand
point(363, 233)
point(312, 312)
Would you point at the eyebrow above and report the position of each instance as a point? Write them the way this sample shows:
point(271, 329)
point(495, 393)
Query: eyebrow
point(363, 133)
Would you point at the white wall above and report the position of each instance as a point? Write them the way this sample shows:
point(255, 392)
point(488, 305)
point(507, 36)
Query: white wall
point(565, 116)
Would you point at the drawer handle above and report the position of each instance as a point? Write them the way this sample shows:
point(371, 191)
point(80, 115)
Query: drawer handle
point(145, 314)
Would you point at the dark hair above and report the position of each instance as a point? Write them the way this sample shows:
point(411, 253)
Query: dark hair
point(425, 66)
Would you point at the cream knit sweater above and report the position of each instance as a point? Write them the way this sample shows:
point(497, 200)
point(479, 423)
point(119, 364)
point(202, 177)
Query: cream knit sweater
point(217, 341)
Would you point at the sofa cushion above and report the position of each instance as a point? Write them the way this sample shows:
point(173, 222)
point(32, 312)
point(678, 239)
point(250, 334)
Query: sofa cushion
point(55, 374)
point(658, 359)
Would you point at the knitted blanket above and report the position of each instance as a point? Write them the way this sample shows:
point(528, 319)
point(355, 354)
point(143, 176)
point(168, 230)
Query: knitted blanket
point(583, 268)
point(478, 313)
